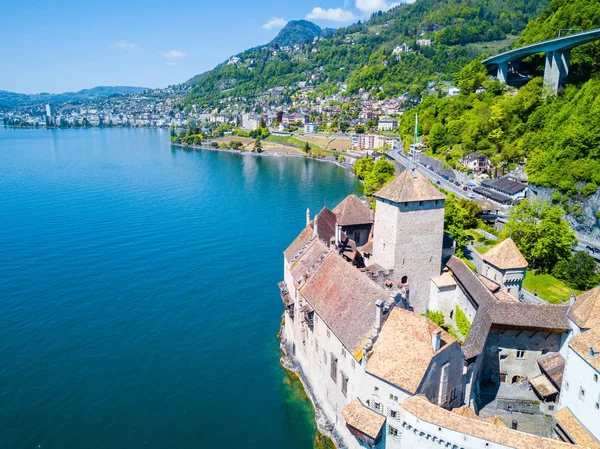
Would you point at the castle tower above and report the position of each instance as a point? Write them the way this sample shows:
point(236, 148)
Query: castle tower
point(505, 265)
point(409, 232)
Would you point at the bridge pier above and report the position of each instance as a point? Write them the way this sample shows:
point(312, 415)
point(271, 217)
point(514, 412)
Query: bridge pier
point(502, 75)
point(556, 70)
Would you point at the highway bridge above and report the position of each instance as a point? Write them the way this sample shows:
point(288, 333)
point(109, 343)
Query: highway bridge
point(558, 53)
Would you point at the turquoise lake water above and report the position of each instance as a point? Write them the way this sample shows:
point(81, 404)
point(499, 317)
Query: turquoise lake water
point(138, 291)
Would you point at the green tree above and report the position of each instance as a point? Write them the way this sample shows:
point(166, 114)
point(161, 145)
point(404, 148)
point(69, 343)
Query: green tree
point(470, 77)
point(258, 145)
point(541, 233)
point(437, 137)
point(579, 271)
point(306, 148)
point(363, 167)
point(455, 218)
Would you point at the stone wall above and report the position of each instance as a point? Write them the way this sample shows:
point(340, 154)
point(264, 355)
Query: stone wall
point(408, 238)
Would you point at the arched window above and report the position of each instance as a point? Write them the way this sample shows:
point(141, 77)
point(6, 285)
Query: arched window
point(404, 279)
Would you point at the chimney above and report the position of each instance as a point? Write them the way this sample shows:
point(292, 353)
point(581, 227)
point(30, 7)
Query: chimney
point(436, 340)
point(378, 315)
point(307, 216)
point(316, 226)
point(572, 299)
point(365, 353)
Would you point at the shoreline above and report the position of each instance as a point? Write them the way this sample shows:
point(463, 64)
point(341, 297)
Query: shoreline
point(265, 154)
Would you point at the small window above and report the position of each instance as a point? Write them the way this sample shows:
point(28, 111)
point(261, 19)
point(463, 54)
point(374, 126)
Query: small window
point(404, 279)
point(343, 353)
point(597, 406)
point(324, 357)
point(393, 397)
point(582, 394)
point(566, 385)
point(451, 314)
point(328, 333)
point(595, 378)
point(352, 364)
point(503, 357)
point(344, 384)
point(377, 406)
point(392, 431)
point(520, 354)
point(333, 370)
point(376, 388)
point(393, 413)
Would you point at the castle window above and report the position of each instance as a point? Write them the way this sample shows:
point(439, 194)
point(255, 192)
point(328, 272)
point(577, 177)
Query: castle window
point(344, 384)
point(595, 378)
point(333, 371)
point(392, 431)
point(451, 314)
point(520, 354)
point(404, 279)
point(597, 406)
point(328, 333)
point(566, 385)
point(376, 388)
point(352, 364)
point(582, 394)
point(344, 353)
point(420, 203)
point(394, 397)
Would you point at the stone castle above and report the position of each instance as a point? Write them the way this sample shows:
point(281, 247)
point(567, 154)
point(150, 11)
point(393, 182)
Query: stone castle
point(356, 291)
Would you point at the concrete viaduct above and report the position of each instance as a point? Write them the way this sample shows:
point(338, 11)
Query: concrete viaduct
point(558, 52)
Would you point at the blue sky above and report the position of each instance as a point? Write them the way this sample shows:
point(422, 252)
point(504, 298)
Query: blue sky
point(58, 46)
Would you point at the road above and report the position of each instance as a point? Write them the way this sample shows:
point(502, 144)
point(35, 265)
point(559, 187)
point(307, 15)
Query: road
point(399, 156)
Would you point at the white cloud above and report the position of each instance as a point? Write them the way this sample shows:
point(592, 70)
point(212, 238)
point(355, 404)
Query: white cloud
point(171, 63)
point(275, 23)
point(126, 45)
point(175, 54)
point(331, 14)
point(375, 5)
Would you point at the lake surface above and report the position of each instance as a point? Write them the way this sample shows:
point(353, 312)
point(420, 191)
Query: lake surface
point(139, 305)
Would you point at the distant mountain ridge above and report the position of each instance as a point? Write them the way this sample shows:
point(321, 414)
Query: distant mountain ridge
point(10, 99)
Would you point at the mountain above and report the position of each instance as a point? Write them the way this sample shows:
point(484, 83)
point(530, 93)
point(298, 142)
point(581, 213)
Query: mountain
point(9, 99)
point(361, 55)
point(299, 32)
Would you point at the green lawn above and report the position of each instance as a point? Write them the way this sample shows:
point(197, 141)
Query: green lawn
point(482, 249)
point(291, 141)
point(548, 287)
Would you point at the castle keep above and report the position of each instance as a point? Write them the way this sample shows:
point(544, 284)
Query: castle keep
point(355, 291)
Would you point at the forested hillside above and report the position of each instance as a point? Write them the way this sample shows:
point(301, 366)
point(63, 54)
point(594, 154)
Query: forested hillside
point(362, 54)
point(559, 137)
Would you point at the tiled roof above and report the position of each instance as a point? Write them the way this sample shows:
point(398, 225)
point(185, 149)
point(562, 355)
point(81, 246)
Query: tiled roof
point(410, 186)
point(504, 296)
point(553, 366)
point(391, 361)
point(466, 411)
point(352, 211)
point(325, 224)
point(505, 256)
point(469, 282)
point(575, 430)
point(583, 343)
point(298, 244)
point(344, 298)
point(445, 280)
point(363, 419)
point(305, 266)
point(491, 285)
point(495, 421)
point(586, 310)
point(421, 408)
point(506, 184)
point(492, 311)
point(543, 386)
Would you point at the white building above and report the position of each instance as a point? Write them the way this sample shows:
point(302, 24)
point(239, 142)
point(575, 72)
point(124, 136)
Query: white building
point(310, 128)
point(387, 124)
point(250, 122)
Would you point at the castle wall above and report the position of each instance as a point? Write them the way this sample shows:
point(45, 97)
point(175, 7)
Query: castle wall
point(514, 354)
point(408, 238)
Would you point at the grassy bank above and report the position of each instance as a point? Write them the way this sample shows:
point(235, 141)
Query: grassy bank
point(548, 287)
